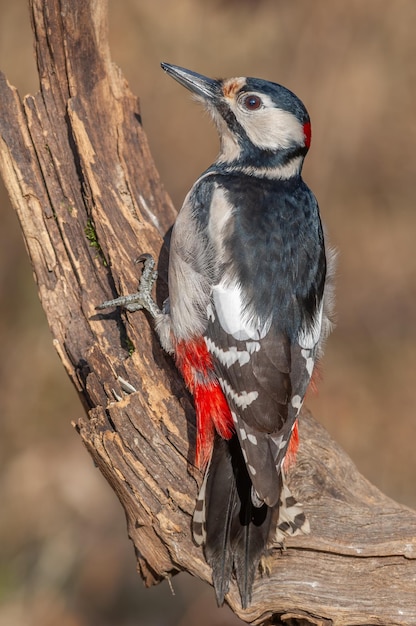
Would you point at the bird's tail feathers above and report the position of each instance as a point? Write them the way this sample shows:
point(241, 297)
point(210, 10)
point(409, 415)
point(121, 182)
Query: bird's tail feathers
point(234, 532)
point(291, 519)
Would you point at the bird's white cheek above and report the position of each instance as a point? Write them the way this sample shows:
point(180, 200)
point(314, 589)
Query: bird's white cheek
point(271, 128)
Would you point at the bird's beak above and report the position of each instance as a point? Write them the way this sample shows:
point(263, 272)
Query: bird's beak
point(200, 85)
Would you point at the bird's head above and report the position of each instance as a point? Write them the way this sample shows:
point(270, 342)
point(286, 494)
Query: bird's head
point(263, 126)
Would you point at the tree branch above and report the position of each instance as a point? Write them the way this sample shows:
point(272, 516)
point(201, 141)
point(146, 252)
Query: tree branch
point(79, 172)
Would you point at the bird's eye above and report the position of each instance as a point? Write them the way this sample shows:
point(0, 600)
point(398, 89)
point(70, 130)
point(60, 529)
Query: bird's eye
point(251, 103)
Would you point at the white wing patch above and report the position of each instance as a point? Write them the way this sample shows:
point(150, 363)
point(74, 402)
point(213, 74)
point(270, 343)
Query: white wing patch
point(233, 317)
point(243, 399)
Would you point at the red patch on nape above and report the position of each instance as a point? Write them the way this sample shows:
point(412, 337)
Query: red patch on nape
point(307, 130)
point(212, 410)
point(292, 448)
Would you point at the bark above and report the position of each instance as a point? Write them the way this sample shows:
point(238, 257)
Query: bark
point(80, 175)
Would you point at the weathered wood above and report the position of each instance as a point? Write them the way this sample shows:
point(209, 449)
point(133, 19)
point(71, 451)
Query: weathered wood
point(79, 172)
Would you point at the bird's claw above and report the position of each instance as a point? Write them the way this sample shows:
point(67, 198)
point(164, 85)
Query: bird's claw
point(142, 299)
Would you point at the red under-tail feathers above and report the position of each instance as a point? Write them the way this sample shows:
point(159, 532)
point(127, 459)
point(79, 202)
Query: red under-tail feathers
point(212, 411)
point(292, 448)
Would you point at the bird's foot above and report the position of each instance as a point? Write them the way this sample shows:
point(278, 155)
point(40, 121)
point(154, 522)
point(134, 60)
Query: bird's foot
point(142, 299)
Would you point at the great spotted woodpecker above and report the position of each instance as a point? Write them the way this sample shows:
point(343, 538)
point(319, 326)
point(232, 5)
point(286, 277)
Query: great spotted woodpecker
point(248, 311)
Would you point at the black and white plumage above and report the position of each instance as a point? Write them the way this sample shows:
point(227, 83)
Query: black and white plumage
point(249, 310)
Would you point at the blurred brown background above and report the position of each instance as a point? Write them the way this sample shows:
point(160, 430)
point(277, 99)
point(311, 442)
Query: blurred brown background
point(64, 554)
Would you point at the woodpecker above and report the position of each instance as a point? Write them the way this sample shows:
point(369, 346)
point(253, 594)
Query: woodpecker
point(249, 309)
